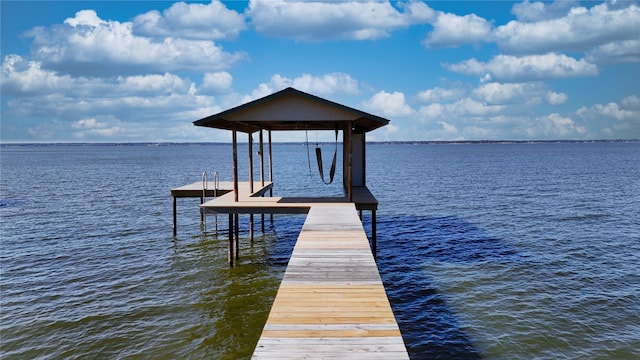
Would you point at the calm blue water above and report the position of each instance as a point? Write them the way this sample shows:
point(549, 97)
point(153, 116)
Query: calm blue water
point(493, 251)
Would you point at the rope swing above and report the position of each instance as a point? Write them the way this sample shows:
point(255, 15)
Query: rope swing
point(332, 172)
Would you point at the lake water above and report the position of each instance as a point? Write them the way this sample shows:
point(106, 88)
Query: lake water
point(493, 251)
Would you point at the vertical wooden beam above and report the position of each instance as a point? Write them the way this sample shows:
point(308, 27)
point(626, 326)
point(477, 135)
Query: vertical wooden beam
point(230, 256)
point(261, 158)
point(250, 163)
point(236, 238)
point(270, 160)
point(175, 225)
point(347, 139)
point(251, 183)
point(261, 150)
point(234, 141)
point(374, 245)
point(270, 172)
point(251, 227)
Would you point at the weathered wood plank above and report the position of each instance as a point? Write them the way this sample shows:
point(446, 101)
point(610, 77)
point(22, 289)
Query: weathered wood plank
point(331, 303)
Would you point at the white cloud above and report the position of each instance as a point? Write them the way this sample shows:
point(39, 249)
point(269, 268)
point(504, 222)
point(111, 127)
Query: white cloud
point(439, 94)
point(517, 93)
point(494, 111)
point(23, 77)
point(625, 51)
point(556, 126)
point(151, 84)
point(93, 109)
point(507, 68)
point(333, 83)
point(388, 105)
point(539, 11)
point(580, 30)
point(328, 84)
point(211, 21)
point(320, 20)
point(451, 30)
point(27, 78)
point(432, 111)
point(88, 45)
point(216, 83)
point(469, 107)
point(106, 127)
point(627, 111)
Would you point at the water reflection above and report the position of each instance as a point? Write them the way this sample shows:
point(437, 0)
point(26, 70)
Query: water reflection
point(405, 243)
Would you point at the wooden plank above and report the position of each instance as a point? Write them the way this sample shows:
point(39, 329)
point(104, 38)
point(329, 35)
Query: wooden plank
point(195, 189)
point(331, 303)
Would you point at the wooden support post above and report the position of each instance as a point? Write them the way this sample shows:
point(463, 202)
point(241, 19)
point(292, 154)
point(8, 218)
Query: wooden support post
point(231, 256)
point(234, 141)
point(236, 238)
point(250, 163)
point(251, 183)
point(261, 152)
point(251, 228)
point(175, 225)
point(374, 245)
point(347, 139)
point(270, 159)
point(270, 171)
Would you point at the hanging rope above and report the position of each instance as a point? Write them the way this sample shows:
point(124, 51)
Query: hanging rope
point(306, 132)
point(332, 171)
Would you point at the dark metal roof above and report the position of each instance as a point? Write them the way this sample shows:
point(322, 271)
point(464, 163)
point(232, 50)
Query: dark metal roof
point(291, 109)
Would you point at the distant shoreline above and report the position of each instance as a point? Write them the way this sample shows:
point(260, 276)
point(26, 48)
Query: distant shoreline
point(416, 142)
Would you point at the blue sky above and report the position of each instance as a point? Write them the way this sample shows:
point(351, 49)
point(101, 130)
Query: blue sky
point(87, 71)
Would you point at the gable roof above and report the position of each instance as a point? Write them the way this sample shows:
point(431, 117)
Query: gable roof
point(291, 109)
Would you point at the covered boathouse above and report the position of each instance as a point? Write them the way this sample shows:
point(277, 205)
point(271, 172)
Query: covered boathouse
point(331, 302)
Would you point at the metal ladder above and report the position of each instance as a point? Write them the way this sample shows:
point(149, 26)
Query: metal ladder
point(205, 187)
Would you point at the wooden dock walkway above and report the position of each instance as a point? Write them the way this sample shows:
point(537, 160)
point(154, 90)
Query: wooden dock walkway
point(331, 303)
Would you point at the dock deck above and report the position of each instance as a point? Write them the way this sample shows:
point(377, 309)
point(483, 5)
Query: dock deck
point(331, 303)
point(197, 190)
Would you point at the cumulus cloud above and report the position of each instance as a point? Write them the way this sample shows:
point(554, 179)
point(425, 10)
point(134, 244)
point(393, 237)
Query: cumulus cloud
point(579, 30)
point(320, 20)
point(625, 51)
point(508, 68)
point(216, 83)
point(451, 30)
point(328, 84)
point(90, 127)
point(89, 45)
point(527, 11)
point(211, 21)
point(528, 93)
point(23, 77)
point(388, 105)
point(556, 126)
point(490, 111)
point(625, 116)
point(554, 98)
point(92, 108)
point(439, 94)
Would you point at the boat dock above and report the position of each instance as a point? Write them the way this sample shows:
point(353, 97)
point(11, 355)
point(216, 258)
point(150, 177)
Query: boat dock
point(331, 303)
point(206, 189)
